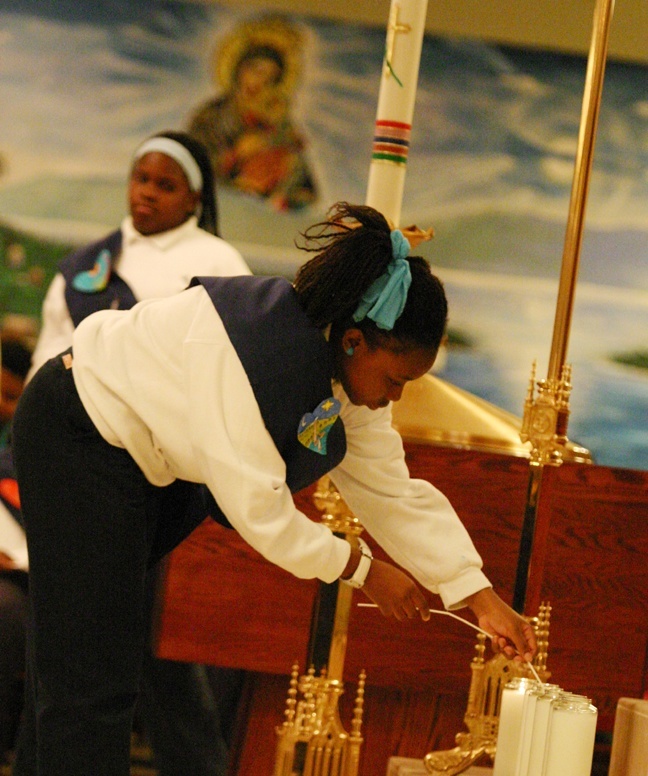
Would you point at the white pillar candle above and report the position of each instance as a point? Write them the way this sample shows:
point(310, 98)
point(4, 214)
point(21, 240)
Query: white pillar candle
point(396, 107)
point(510, 725)
point(540, 729)
point(533, 695)
point(570, 742)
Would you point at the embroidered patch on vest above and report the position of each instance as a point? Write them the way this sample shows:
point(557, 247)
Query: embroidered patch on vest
point(96, 279)
point(314, 427)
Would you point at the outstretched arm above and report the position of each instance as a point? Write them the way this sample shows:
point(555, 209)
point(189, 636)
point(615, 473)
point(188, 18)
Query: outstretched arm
point(397, 595)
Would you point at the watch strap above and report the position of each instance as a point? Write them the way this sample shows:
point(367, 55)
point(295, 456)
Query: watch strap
point(360, 574)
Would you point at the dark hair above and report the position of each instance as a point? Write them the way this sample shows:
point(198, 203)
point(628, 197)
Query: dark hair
point(15, 357)
point(209, 209)
point(353, 249)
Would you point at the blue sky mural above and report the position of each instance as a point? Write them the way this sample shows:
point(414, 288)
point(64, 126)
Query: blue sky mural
point(491, 163)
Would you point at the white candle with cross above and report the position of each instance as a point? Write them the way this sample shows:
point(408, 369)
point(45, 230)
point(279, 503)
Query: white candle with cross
point(395, 112)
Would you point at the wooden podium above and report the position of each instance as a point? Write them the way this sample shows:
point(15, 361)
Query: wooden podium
point(223, 604)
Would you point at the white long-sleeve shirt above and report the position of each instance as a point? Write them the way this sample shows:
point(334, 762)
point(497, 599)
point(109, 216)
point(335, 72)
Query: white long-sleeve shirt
point(153, 266)
point(164, 382)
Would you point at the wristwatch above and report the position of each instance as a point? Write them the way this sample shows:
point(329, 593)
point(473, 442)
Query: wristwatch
point(360, 574)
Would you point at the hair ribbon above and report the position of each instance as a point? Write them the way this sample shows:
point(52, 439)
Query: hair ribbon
point(384, 300)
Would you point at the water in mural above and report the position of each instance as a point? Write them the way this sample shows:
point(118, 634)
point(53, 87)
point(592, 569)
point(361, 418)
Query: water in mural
point(491, 163)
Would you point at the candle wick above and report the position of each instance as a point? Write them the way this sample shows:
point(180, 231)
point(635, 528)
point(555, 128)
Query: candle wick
point(534, 672)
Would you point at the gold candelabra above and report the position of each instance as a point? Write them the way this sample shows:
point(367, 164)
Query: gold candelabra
point(312, 740)
point(479, 742)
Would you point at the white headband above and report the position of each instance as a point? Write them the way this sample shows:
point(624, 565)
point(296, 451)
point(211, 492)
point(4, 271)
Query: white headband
point(177, 152)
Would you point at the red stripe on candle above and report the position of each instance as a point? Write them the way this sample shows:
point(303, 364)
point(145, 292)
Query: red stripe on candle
point(398, 124)
point(390, 148)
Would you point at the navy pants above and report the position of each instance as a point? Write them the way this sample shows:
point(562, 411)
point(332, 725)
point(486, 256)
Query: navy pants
point(13, 619)
point(94, 525)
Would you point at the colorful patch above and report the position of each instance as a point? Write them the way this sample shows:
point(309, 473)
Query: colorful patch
point(314, 427)
point(96, 279)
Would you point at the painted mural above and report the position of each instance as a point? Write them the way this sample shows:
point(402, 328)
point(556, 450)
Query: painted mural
point(288, 106)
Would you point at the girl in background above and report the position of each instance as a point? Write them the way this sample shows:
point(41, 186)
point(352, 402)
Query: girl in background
point(170, 235)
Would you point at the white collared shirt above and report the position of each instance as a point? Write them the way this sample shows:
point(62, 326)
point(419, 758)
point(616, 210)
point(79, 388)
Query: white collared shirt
point(152, 266)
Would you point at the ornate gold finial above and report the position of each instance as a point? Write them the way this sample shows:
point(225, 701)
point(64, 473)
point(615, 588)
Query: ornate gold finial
point(291, 700)
point(358, 708)
point(541, 627)
point(546, 412)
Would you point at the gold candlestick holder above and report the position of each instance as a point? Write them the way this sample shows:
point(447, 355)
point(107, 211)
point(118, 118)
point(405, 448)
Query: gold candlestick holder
point(479, 742)
point(312, 740)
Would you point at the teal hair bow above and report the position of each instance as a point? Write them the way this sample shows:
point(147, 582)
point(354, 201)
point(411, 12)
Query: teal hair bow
point(384, 300)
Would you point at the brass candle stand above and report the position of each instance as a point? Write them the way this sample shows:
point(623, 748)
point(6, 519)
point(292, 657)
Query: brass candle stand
point(479, 743)
point(312, 740)
point(544, 425)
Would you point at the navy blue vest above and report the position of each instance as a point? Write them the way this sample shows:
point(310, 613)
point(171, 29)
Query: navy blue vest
point(116, 295)
point(288, 363)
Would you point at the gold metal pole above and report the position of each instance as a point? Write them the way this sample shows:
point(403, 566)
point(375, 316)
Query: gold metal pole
point(546, 413)
point(574, 233)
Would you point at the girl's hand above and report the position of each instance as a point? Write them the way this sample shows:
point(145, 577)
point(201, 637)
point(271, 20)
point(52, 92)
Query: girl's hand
point(511, 633)
point(394, 592)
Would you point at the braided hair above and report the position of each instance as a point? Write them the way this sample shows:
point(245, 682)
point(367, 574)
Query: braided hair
point(208, 219)
point(353, 247)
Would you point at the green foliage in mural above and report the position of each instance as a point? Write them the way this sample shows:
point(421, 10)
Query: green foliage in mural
point(27, 265)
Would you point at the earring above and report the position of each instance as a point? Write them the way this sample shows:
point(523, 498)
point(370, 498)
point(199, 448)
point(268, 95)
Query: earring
point(349, 351)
